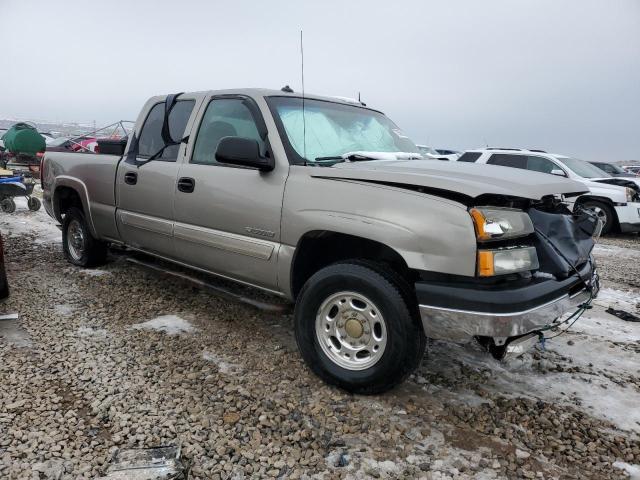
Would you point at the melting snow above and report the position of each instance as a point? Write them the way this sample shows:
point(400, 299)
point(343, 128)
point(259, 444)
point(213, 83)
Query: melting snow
point(632, 470)
point(64, 309)
point(223, 365)
point(170, 324)
point(94, 272)
point(609, 297)
point(25, 222)
point(91, 332)
point(592, 351)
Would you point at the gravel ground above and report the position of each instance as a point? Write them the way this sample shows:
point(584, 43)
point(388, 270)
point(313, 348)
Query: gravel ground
point(124, 357)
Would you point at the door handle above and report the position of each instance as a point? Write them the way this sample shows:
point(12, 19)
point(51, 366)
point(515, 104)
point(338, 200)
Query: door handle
point(131, 178)
point(186, 184)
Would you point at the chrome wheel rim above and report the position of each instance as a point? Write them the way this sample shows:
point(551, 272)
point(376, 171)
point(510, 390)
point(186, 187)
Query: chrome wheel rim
point(351, 330)
point(75, 239)
point(600, 213)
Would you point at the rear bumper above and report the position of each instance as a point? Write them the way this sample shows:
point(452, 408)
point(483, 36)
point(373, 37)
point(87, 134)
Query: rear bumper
point(460, 313)
point(629, 217)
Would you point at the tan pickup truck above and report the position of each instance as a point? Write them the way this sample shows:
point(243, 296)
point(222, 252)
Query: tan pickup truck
point(327, 203)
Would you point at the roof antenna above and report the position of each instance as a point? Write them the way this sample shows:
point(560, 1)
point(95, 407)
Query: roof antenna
point(304, 123)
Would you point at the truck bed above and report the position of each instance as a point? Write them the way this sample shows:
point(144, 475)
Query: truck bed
point(85, 172)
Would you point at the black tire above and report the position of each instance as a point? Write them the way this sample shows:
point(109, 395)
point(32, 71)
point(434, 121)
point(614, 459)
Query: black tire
point(405, 339)
point(605, 208)
point(84, 252)
point(34, 204)
point(8, 205)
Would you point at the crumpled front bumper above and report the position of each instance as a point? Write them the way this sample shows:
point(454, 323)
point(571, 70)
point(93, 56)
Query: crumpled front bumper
point(446, 317)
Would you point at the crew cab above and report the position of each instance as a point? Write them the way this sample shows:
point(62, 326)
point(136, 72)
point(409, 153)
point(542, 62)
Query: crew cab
point(616, 201)
point(327, 203)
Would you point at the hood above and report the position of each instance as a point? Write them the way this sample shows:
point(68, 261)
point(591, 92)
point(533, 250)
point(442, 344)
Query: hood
point(629, 182)
point(464, 178)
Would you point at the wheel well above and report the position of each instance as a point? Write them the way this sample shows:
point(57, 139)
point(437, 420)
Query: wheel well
point(65, 198)
point(318, 249)
point(605, 200)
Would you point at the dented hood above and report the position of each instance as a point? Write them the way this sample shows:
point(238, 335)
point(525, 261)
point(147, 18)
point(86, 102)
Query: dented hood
point(470, 179)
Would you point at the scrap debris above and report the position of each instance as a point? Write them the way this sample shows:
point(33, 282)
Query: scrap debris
point(155, 463)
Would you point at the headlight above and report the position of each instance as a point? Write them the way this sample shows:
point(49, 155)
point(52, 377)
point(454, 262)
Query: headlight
point(492, 223)
point(631, 194)
point(506, 260)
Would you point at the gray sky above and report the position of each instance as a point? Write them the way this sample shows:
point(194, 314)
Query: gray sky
point(558, 75)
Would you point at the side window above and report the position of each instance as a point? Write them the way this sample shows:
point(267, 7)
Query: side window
point(508, 160)
point(224, 117)
point(151, 136)
point(541, 164)
point(469, 157)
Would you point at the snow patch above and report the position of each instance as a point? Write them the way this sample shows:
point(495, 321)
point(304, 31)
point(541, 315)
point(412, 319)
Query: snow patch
point(170, 324)
point(94, 272)
point(224, 366)
point(592, 351)
point(632, 470)
point(618, 299)
point(615, 251)
point(64, 309)
point(86, 332)
point(25, 222)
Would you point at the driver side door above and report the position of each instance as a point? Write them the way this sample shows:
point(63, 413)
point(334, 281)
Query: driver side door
point(227, 218)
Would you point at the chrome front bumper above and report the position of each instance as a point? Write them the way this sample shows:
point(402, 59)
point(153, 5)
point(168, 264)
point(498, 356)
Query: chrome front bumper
point(462, 325)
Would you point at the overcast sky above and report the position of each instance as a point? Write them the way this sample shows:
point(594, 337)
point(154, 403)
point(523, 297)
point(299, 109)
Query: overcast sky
point(557, 75)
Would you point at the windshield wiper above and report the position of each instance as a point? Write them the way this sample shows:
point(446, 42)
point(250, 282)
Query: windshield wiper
point(353, 157)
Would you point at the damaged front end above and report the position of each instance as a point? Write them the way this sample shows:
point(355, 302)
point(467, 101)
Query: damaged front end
point(534, 268)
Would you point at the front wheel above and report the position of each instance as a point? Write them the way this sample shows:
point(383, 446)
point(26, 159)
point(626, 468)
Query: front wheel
point(604, 212)
point(355, 329)
point(80, 248)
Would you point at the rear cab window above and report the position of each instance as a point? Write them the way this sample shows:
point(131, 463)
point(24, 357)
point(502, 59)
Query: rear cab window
point(151, 140)
point(469, 157)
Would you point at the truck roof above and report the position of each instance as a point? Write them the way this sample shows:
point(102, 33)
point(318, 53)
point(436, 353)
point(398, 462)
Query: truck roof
point(269, 92)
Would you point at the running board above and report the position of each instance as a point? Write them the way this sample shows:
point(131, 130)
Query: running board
point(224, 292)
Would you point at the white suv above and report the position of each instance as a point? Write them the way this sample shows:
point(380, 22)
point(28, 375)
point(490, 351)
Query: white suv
point(615, 200)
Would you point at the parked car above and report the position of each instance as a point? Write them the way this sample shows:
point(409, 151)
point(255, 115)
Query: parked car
point(433, 154)
point(442, 151)
point(376, 250)
point(632, 169)
point(615, 200)
point(613, 169)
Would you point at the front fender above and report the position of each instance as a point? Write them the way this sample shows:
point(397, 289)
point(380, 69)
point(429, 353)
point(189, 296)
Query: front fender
point(428, 232)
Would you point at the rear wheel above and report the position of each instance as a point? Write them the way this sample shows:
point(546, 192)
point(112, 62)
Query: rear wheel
point(8, 205)
point(80, 247)
point(355, 329)
point(34, 204)
point(605, 214)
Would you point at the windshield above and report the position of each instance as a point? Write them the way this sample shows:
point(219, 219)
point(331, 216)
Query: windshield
point(427, 150)
point(333, 129)
point(616, 168)
point(583, 169)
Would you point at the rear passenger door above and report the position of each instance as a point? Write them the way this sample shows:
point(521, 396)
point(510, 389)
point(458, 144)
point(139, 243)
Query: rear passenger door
point(228, 217)
point(145, 189)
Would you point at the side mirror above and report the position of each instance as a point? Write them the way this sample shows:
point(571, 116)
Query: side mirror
point(557, 171)
point(244, 152)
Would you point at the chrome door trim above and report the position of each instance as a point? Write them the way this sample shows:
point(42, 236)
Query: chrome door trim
point(146, 222)
point(230, 242)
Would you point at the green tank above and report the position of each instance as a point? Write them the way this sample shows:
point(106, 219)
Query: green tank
point(24, 139)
